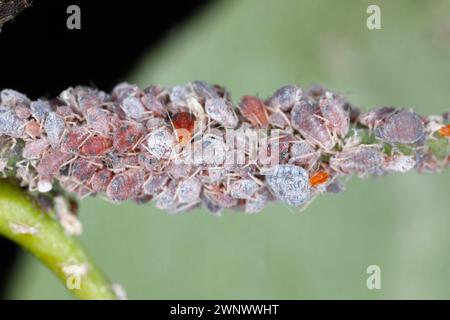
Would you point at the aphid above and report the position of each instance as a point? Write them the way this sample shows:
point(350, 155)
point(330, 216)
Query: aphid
point(285, 97)
point(399, 163)
point(97, 120)
point(124, 185)
point(89, 98)
point(444, 131)
point(211, 206)
point(101, 179)
point(303, 154)
point(133, 107)
point(40, 109)
point(189, 190)
point(13, 98)
point(221, 111)
point(213, 151)
point(220, 198)
point(154, 105)
point(364, 159)
point(34, 149)
point(278, 119)
point(54, 126)
point(51, 162)
point(22, 111)
point(373, 118)
point(160, 143)
point(167, 200)
point(148, 161)
point(331, 107)
point(184, 123)
point(155, 184)
point(96, 146)
point(319, 177)
point(179, 170)
point(72, 140)
point(258, 202)
point(123, 90)
point(243, 188)
point(216, 174)
point(180, 94)
point(10, 124)
point(83, 169)
point(253, 109)
point(290, 184)
point(32, 128)
point(126, 136)
point(335, 186)
point(401, 127)
point(203, 90)
point(305, 119)
point(67, 218)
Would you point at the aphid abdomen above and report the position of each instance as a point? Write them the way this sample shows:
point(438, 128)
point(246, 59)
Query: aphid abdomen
point(360, 160)
point(403, 127)
point(305, 119)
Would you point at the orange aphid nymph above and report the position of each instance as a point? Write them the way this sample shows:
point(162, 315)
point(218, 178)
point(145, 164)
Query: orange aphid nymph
point(183, 124)
point(319, 178)
point(445, 131)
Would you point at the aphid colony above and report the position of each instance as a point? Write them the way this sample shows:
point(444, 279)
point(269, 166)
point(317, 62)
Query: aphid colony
point(130, 144)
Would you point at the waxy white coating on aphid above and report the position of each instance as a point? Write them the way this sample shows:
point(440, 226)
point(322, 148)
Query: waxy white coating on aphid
point(243, 188)
point(290, 184)
point(40, 109)
point(54, 127)
point(221, 111)
point(160, 143)
point(133, 107)
point(399, 163)
point(10, 124)
point(12, 97)
point(34, 149)
point(189, 190)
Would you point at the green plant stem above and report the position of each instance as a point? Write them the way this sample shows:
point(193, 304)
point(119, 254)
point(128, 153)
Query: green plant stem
point(48, 242)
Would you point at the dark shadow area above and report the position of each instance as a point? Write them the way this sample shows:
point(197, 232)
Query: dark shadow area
point(40, 56)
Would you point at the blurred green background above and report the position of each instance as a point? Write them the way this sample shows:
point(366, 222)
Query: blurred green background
point(400, 223)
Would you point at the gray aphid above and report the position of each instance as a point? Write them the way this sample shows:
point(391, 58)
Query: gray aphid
point(290, 184)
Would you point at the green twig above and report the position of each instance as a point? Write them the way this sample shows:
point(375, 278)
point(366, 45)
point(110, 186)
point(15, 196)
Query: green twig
point(23, 222)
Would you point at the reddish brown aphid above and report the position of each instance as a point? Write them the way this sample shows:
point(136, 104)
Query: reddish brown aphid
point(96, 146)
point(52, 162)
point(72, 140)
point(124, 185)
point(253, 109)
point(101, 180)
point(445, 131)
point(33, 128)
point(127, 136)
point(83, 169)
point(319, 177)
point(305, 119)
point(183, 122)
